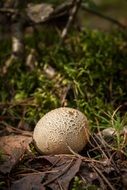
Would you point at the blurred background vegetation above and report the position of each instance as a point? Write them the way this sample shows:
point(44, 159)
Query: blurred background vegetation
point(88, 71)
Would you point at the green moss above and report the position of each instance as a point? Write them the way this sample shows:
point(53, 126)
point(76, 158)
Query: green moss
point(91, 63)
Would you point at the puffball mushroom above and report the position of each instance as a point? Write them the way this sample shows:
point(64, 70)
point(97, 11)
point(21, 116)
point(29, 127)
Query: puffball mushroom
point(60, 131)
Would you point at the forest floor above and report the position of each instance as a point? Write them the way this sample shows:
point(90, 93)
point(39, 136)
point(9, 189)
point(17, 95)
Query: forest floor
point(88, 72)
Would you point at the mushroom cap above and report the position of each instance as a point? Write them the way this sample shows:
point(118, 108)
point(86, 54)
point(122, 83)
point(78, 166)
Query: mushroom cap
point(60, 131)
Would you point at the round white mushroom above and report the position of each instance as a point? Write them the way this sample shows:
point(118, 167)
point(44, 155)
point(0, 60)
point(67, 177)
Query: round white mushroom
point(60, 131)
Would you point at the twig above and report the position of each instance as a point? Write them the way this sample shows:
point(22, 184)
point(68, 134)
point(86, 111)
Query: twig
point(114, 21)
point(83, 158)
point(63, 99)
point(8, 10)
point(26, 102)
point(104, 178)
point(28, 171)
point(60, 174)
point(17, 45)
point(16, 130)
point(76, 5)
point(99, 147)
point(60, 186)
point(107, 148)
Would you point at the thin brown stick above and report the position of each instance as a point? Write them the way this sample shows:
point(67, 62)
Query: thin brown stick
point(76, 5)
point(85, 159)
point(16, 130)
point(26, 102)
point(101, 15)
point(8, 10)
point(59, 175)
point(104, 178)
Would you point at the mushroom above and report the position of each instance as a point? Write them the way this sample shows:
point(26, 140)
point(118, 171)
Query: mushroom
point(60, 131)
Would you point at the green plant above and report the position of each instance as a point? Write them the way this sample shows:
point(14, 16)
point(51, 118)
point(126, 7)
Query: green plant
point(116, 124)
point(80, 184)
point(77, 184)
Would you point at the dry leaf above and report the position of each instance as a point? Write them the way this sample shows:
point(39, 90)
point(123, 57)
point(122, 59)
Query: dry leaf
point(13, 148)
point(31, 181)
point(66, 168)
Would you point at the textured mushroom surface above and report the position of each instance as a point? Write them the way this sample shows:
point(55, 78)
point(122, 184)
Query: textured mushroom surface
point(60, 129)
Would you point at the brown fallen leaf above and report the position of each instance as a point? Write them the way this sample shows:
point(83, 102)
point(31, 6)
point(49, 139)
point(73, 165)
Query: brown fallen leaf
point(31, 181)
point(66, 168)
point(13, 148)
point(65, 179)
point(59, 170)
